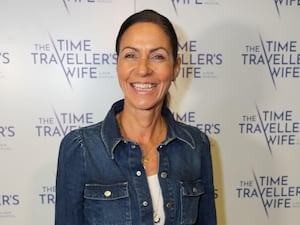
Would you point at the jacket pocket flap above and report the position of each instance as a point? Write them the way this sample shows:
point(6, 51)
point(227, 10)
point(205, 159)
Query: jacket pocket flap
point(106, 192)
point(193, 188)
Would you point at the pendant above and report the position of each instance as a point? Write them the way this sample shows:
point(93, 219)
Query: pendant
point(156, 218)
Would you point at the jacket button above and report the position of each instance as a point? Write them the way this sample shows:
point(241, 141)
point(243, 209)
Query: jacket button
point(107, 194)
point(164, 175)
point(138, 173)
point(145, 203)
point(133, 146)
point(169, 205)
point(195, 190)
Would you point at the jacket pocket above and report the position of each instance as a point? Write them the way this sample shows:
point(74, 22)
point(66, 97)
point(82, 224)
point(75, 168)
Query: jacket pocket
point(107, 204)
point(190, 193)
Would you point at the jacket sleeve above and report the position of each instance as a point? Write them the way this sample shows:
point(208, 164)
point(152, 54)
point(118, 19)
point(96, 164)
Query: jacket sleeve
point(207, 209)
point(69, 181)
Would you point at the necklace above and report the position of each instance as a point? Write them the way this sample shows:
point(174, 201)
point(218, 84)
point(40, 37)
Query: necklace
point(146, 158)
point(156, 218)
point(147, 155)
point(124, 134)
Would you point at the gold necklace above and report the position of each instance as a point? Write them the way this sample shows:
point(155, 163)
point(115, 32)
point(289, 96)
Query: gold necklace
point(146, 157)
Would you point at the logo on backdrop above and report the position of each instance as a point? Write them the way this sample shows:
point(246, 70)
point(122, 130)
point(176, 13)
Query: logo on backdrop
point(62, 123)
point(285, 3)
point(278, 127)
point(282, 58)
point(274, 192)
point(4, 59)
point(196, 64)
point(47, 195)
point(77, 58)
point(191, 118)
point(6, 132)
point(7, 201)
point(192, 3)
point(68, 3)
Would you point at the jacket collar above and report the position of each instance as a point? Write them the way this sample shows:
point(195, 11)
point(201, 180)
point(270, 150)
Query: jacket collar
point(111, 136)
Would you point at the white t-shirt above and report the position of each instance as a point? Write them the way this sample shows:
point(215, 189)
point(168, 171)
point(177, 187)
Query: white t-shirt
point(157, 199)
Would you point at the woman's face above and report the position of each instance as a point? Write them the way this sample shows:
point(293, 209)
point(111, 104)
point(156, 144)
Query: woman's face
point(145, 65)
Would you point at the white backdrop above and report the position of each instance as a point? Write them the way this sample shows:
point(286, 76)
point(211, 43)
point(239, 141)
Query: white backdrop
point(239, 83)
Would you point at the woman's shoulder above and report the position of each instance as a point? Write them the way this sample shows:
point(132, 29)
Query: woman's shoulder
point(76, 136)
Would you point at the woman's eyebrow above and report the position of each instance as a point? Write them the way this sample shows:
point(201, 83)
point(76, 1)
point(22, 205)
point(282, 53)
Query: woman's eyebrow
point(129, 47)
point(151, 50)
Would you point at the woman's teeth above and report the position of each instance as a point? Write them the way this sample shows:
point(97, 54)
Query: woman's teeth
point(143, 86)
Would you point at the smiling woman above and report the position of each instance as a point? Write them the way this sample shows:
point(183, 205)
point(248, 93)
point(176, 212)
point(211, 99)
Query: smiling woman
point(145, 66)
point(139, 165)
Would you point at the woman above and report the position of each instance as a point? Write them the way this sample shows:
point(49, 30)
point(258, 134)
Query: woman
point(138, 166)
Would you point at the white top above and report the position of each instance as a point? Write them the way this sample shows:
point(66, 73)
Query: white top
point(157, 199)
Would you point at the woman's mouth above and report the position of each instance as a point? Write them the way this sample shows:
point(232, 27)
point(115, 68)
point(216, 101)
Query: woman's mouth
point(143, 86)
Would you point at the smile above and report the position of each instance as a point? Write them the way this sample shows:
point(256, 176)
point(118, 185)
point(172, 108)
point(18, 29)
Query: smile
point(143, 86)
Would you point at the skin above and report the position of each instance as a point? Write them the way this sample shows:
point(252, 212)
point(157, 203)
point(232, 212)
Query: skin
point(145, 70)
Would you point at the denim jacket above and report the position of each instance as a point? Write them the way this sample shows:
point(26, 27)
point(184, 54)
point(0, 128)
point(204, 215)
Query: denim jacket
point(101, 180)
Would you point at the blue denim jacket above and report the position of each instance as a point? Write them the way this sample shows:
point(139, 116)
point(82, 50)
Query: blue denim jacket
point(101, 180)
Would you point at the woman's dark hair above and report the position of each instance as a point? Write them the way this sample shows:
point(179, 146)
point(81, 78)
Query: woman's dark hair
point(151, 16)
point(163, 22)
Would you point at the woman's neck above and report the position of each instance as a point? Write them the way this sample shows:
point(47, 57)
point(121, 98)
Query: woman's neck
point(143, 130)
point(146, 129)
point(142, 126)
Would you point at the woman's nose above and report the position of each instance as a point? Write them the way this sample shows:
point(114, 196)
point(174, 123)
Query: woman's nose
point(144, 67)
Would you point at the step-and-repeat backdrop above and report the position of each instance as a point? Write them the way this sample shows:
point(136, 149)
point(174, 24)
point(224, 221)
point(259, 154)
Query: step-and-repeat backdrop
point(239, 83)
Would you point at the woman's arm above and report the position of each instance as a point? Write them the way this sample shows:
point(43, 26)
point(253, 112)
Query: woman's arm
point(207, 210)
point(69, 181)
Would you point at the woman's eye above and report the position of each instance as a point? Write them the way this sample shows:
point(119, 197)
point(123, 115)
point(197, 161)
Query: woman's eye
point(158, 57)
point(129, 56)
